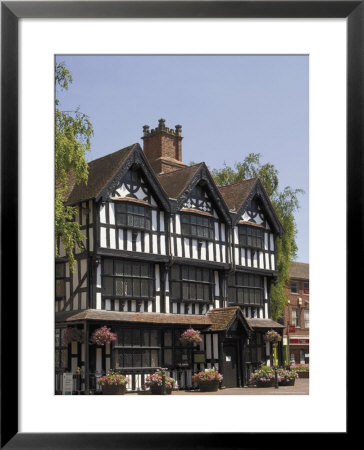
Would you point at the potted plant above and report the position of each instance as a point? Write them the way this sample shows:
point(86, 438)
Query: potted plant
point(103, 336)
point(155, 382)
point(113, 383)
point(190, 336)
point(262, 377)
point(286, 377)
point(72, 334)
point(303, 370)
point(208, 380)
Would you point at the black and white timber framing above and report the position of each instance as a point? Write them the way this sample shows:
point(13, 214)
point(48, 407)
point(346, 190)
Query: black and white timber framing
point(146, 251)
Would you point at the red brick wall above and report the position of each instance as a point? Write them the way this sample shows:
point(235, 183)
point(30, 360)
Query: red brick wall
point(162, 145)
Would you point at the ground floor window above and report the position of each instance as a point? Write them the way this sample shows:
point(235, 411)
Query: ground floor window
point(61, 350)
point(150, 347)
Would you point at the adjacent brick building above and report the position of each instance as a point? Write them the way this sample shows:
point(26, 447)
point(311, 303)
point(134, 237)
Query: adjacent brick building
point(296, 314)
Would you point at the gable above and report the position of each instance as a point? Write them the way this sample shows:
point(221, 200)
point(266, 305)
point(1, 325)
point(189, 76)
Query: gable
point(135, 179)
point(134, 185)
point(255, 214)
point(199, 199)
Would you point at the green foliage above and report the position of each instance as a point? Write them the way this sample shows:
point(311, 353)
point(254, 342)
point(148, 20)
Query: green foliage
point(73, 132)
point(285, 203)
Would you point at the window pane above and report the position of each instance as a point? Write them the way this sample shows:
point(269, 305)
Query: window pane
point(127, 287)
point(175, 273)
point(136, 288)
point(60, 270)
point(240, 296)
point(127, 268)
point(146, 358)
point(145, 338)
point(108, 286)
point(137, 358)
point(121, 219)
point(144, 288)
point(128, 361)
point(119, 361)
point(232, 293)
point(154, 362)
point(108, 267)
point(153, 338)
point(185, 294)
point(59, 288)
point(64, 359)
point(192, 291)
point(199, 292)
point(168, 357)
point(136, 338)
point(127, 337)
point(119, 287)
point(118, 268)
point(168, 338)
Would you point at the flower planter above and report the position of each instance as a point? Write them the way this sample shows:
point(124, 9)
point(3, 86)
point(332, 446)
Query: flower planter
point(112, 389)
point(157, 390)
point(287, 382)
point(265, 384)
point(303, 374)
point(209, 386)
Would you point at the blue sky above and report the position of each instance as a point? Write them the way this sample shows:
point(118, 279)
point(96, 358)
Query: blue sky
point(228, 106)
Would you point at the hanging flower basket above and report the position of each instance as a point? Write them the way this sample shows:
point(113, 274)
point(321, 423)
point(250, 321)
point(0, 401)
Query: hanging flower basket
point(73, 335)
point(103, 336)
point(190, 336)
point(272, 336)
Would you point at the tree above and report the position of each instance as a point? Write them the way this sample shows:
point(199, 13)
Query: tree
point(285, 203)
point(73, 132)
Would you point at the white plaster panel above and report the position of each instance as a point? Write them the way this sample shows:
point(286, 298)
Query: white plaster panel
point(178, 224)
point(161, 221)
point(112, 213)
point(208, 346)
point(103, 237)
point(98, 300)
point(154, 220)
point(217, 235)
point(249, 258)
point(121, 239)
point(187, 247)
point(223, 232)
point(129, 240)
point(215, 340)
point(102, 214)
point(194, 249)
point(267, 266)
point(139, 242)
point(203, 250)
point(217, 283)
point(179, 247)
point(146, 243)
point(155, 243)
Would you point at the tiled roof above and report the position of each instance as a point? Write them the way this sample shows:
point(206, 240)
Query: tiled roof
point(222, 318)
point(116, 316)
point(299, 270)
point(264, 323)
point(174, 183)
point(235, 194)
point(101, 172)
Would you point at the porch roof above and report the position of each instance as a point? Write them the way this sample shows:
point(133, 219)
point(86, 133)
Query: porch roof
point(116, 316)
point(222, 318)
point(264, 323)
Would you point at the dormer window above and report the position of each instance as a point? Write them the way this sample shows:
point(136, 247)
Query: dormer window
point(251, 236)
point(133, 215)
point(197, 225)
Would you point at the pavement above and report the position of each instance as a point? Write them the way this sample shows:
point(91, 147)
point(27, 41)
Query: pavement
point(301, 387)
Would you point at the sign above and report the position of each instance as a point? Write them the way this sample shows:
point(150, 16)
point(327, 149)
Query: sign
point(199, 358)
point(228, 358)
point(67, 383)
point(285, 340)
point(297, 341)
point(291, 328)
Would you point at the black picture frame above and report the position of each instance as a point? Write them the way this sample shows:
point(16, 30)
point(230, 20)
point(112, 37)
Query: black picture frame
point(11, 12)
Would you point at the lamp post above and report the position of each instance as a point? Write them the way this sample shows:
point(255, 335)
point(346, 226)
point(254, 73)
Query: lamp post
point(275, 364)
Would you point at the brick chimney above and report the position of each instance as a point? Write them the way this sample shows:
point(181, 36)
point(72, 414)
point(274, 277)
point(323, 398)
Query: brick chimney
point(163, 147)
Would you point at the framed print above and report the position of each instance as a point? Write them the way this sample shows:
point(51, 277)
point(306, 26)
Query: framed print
point(184, 27)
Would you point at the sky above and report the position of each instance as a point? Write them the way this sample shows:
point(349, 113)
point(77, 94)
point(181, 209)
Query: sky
point(228, 106)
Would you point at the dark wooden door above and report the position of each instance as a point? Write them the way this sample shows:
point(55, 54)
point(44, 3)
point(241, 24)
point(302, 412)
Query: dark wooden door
point(230, 365)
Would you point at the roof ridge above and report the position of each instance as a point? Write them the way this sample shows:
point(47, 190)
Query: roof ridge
point(238, 182)
point(178, 170)
point(113, 153)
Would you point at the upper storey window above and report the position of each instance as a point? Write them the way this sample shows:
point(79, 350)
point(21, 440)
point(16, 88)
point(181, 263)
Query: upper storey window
point(251, 237)
point(197, 225)
point(132, 215)
point(245, 289)
point(190, 283)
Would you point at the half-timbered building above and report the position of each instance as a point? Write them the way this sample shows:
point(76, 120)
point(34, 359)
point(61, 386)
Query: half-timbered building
point(165, 249)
